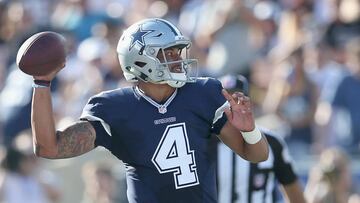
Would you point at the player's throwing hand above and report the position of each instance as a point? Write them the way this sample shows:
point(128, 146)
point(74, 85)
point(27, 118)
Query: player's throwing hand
point(52, 74)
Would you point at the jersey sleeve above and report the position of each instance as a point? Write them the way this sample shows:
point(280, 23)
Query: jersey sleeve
point(95, 112)
point(220, 105)
point(283, 167)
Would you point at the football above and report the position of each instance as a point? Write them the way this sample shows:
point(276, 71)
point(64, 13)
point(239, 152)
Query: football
point(41, 53)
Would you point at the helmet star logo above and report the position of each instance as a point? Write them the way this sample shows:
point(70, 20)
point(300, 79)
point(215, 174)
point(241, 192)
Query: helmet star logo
point(138, 37)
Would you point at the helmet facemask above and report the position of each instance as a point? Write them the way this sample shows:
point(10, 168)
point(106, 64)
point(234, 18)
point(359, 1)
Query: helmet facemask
point(176, 72)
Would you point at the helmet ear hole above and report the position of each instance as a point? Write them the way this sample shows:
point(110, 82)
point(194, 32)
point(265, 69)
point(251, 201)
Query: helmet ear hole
point(140, 64)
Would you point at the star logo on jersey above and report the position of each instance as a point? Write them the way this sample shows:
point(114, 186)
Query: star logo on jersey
point(138, 37)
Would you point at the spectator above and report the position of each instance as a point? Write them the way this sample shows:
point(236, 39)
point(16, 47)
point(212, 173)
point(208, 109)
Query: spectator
point(293, 97)
point(15, 99)
point(20, 180)
point(329, 72)
point(346, 103)
point(101, 184)
point(330, 179)
point(223, 29)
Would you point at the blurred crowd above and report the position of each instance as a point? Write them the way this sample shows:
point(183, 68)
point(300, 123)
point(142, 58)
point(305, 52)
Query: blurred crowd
point(301, 57)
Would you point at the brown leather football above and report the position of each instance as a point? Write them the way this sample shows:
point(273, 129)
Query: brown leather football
point(41, 53)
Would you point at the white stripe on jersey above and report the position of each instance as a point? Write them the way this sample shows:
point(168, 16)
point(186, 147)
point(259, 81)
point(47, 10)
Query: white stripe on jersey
point(242, 181)
point(220, 111)
point(268, 163)
point(224, 173)
point(269, 188)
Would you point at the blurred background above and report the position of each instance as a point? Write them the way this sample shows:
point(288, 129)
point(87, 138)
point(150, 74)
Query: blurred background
point(301, 58)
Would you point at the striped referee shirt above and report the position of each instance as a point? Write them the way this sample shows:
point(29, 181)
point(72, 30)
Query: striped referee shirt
point(240, 181)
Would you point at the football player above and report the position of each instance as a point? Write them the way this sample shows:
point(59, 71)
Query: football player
point(160, 127)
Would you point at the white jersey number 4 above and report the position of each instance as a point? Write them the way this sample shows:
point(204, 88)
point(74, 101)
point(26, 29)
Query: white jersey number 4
point(173, 155)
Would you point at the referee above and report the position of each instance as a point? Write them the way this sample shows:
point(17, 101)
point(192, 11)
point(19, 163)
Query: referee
point(256, 183)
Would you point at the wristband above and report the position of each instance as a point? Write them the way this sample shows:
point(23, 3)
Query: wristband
point(253, 136)
point(41, 84)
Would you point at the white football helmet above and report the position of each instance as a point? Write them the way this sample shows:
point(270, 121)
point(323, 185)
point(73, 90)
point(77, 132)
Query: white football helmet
point(139, 46)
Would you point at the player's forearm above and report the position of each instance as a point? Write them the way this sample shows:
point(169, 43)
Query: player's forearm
point(256, 152)
point(294, 192)
point(42, 123)
point(233, 138)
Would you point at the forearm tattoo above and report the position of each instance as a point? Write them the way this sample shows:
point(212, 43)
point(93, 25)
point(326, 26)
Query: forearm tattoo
point(75, 140)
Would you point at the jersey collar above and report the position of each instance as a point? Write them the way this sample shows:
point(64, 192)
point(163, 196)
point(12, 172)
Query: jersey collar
point(162, 108)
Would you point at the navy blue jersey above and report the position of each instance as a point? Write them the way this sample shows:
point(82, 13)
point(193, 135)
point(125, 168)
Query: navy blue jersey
point(167, 156)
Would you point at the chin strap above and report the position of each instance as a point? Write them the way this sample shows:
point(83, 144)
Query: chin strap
point(176, 84)
point(177, 80)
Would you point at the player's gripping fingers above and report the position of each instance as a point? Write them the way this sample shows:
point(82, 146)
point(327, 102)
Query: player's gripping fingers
point(238, 97)
point(242, 99)
point(247, 103)
point(229, 98)
point(228, 113)
point(243, 103)
point(51, 75)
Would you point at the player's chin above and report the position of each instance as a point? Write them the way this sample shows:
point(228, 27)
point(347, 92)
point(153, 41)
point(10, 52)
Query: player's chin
point(176, 69)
